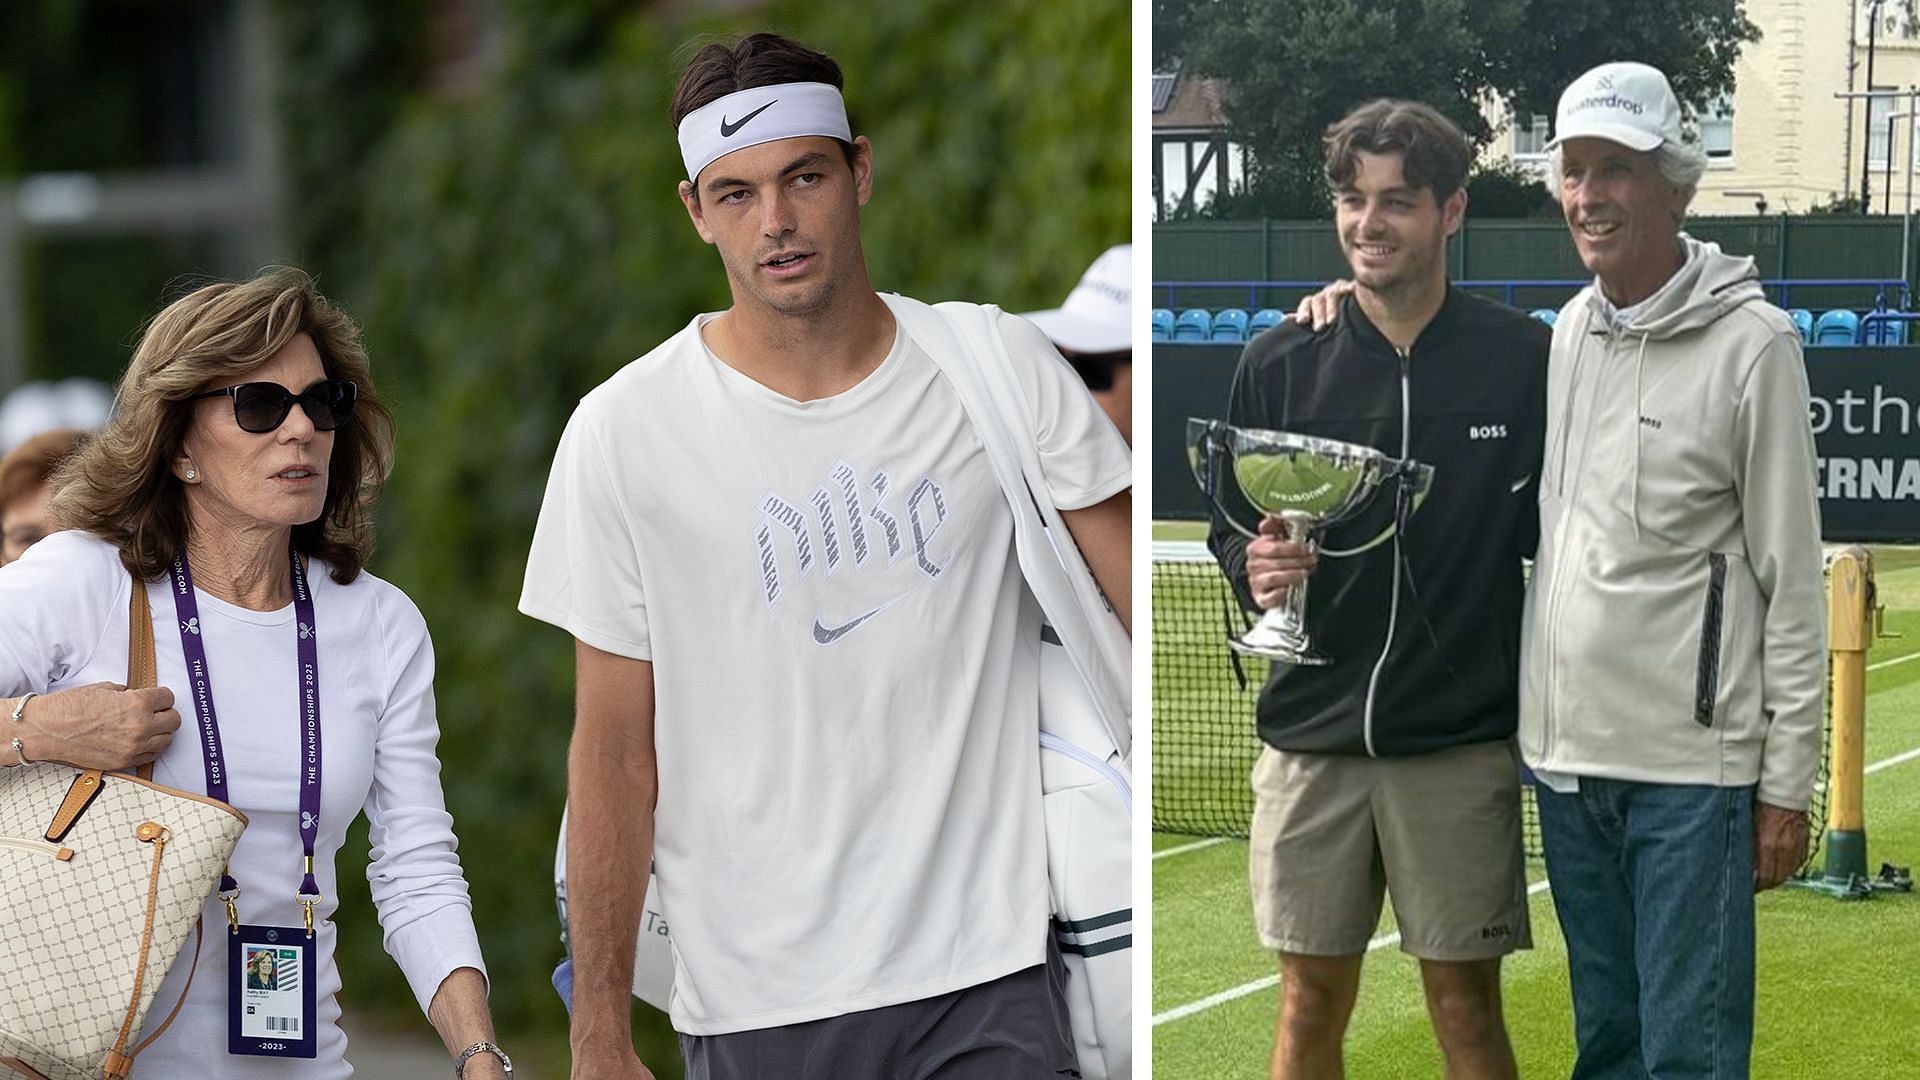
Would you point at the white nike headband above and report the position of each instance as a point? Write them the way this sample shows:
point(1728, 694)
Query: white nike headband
point(759, 115)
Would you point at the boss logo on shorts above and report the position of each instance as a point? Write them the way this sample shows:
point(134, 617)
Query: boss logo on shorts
point(1496, 932)
point(862, 527)
point(1487, 431)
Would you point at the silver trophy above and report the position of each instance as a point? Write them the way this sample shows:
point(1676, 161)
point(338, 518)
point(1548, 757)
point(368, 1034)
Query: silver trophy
point(1308, 483)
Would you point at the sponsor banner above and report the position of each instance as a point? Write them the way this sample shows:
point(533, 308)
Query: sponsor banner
point(1865, 412)
point(1866, 427)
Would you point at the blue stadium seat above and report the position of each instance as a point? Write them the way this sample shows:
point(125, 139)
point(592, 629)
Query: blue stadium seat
point(1194, 324)
point(1835, 327)
point(1162, 324)
point(1886, 331)
point(1545, 315)
point(1229, 325)
point(1803, 322)
point(1264, 320)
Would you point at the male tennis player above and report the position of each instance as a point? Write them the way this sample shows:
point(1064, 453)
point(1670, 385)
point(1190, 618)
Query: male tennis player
point(1674, 645)
point(807, 663)
point(1392, 770)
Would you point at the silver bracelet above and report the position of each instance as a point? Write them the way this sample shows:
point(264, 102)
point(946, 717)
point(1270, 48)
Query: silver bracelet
point(19, 751)
point(460, 1066)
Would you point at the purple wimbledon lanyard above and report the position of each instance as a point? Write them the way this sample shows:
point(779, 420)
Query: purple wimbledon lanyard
point(188, 610)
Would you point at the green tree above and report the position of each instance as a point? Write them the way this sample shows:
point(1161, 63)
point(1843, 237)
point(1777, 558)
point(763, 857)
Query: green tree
point(1695, 42)
point(1294, 66)
point(1507, 191)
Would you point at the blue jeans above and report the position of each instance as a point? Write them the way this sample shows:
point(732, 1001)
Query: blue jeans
point(1653, 884)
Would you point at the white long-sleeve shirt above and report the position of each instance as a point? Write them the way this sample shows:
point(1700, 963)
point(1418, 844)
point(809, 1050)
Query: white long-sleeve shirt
point(65, 625)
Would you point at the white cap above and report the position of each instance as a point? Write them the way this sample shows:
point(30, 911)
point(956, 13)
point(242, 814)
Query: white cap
point(1630, 104)
point(1098, 314)
point(43, 406)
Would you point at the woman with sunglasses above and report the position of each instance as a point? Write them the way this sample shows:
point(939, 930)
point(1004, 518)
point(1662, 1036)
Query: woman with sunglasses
point(235, 484)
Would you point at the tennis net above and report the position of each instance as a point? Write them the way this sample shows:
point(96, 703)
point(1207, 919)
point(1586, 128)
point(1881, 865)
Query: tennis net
point(1204, 745)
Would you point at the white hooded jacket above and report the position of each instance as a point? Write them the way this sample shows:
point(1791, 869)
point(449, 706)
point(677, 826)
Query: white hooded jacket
point(1674, 628)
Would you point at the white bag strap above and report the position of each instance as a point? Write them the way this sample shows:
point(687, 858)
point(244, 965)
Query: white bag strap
point(964, 341)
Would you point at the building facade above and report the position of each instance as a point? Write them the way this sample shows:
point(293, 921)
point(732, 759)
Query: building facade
point(1790, 138)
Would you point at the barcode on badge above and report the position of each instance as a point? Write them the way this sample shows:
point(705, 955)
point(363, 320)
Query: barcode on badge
point(284, 1025)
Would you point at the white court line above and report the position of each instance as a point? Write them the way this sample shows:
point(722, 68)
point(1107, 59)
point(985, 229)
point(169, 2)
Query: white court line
point(1195, 846)
point(1895, 660)
point(1892, 761)
point(1386, 941)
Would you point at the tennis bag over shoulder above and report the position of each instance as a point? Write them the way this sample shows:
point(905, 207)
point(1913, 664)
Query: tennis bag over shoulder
point(1085, 704)
point(102, 878)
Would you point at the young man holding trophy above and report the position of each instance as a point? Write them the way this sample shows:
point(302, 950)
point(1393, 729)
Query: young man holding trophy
point(1389, 766)
point(807, 661)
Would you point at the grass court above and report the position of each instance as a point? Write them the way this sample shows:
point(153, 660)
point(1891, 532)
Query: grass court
point(1839, 982)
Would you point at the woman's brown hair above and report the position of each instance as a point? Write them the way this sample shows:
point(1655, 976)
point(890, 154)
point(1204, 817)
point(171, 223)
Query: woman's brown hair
point(120, 486)
point(33, 462)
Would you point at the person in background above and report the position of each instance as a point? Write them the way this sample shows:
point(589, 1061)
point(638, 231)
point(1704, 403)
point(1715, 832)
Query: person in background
point(25, 489)
point(1094, 331)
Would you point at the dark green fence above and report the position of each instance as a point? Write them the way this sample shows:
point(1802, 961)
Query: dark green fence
point(1801, 248)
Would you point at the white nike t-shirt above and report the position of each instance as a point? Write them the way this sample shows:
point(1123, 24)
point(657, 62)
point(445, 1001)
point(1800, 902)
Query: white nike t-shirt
point(845, 667)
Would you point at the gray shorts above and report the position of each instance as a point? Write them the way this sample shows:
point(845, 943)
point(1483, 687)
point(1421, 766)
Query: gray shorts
point(1439, 833)
point(1013, 1028)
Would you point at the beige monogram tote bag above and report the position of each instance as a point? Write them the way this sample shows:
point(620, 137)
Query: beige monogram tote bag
point(102, 877)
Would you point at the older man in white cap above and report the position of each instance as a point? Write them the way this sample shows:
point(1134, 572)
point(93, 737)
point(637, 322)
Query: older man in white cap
point(807, 665)
point(1673, 669)
point(1094, 331)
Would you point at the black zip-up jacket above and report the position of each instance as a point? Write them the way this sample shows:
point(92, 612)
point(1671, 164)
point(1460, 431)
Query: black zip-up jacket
point(1474, 384)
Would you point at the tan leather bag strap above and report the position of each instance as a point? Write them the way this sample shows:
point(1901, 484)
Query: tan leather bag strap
point(142, 671)
point(198, 932)
point(118, 1065)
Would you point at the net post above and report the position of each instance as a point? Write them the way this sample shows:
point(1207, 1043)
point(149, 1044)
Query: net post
point(1849, 635)
point(1851, 627)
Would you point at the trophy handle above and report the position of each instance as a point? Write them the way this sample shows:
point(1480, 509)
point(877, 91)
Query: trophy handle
point(1210, 454)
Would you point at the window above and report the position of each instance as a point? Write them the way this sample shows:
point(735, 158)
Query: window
point(1716, 129)
point(1879, 108)
point(1162, 90)
point(1529, 137)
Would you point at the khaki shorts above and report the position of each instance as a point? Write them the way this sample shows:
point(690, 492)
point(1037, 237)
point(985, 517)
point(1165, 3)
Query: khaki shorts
point(1439, 833)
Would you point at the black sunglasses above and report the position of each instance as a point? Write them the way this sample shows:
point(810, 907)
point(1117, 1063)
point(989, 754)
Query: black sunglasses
point(260, 407)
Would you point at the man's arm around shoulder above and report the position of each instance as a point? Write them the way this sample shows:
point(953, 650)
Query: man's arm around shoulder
point(612, 783)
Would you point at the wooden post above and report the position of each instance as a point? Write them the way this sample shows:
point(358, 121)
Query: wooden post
point(1849, 634)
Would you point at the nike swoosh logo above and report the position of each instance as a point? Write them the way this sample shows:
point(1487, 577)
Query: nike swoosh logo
point(727, 130)
point(827, 636)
